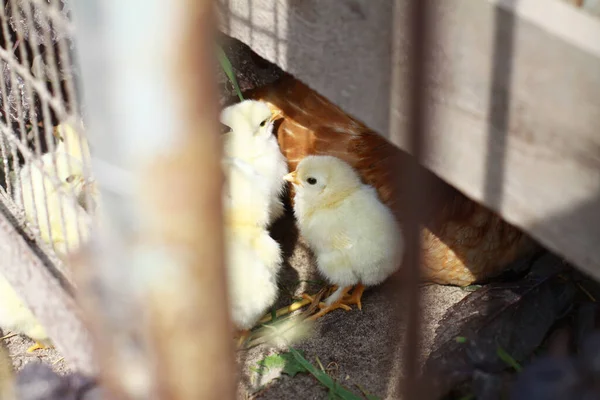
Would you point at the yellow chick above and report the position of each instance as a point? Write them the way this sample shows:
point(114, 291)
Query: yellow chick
point(251, 140)
point(75, 145)
point(16, 317)
point(355, 237)
point(61, 185)
point(49, 189)
point(49, 195)
point(72, 143)
point(253, 258)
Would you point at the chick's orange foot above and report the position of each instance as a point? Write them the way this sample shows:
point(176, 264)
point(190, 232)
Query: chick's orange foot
point(36, 346)
point(342, 300)
point(312, 299)
point(356, 296)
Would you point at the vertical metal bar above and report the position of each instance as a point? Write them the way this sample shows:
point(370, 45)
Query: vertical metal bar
point(499, 106)
point(418, 50)
point(157, 299)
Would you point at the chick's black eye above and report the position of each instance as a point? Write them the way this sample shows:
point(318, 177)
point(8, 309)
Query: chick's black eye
point(262, 124)
point(70, 178)
point(311, 181)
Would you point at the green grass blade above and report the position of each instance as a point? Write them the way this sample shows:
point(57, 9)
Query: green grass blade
point(228, 68)
point(325, 379)
point(507, 358)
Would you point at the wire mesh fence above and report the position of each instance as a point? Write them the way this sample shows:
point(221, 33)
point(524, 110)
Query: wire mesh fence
point(46, 180)
point(46, 187)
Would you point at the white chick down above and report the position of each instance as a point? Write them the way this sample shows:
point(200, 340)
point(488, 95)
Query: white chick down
point(353, 235)
point(251, 140)
point(75, 145)
point(72, 143)
point(16, 317)
point(253, 258)
point(49, 188)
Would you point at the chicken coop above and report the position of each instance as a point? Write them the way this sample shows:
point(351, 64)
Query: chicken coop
point(111, 223)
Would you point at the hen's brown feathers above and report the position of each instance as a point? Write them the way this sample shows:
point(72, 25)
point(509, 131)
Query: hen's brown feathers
point(462, 241)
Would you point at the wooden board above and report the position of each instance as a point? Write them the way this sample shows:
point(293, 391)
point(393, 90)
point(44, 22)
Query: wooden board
point(516, 117)
point(48, 298)
point(516, 95)
point(339, 48)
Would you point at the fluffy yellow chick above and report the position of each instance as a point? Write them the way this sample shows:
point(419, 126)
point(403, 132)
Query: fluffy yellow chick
point(75, 145)
point(49, 197)
point(253, 258)
point(61, 186)
point(16, 317)
point(52, 185)
point(251, 140)
point(355, 237)
point(72, 143)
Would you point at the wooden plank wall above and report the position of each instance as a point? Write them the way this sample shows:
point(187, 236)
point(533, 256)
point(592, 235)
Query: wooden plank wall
point(515, 89)
point(346, 57)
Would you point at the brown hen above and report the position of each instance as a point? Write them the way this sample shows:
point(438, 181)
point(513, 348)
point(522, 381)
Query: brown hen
point(462, 241)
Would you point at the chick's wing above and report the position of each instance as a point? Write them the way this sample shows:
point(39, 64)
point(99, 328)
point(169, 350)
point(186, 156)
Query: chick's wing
point(341, 241)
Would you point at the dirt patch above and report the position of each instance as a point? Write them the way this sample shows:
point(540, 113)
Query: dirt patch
point(355, 347)
point(17, 348)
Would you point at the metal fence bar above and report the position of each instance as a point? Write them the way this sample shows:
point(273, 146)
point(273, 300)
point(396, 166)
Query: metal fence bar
point(157, 292)
point(419, 37)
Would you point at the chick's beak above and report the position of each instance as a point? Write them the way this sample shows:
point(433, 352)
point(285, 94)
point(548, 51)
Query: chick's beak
point(293, 178)
point(276, 114)
point(56, 133)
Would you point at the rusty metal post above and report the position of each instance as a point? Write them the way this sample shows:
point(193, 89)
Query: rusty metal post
point(156, 288)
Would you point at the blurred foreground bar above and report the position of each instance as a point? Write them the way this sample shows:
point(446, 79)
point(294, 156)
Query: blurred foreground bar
point(155, 289)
